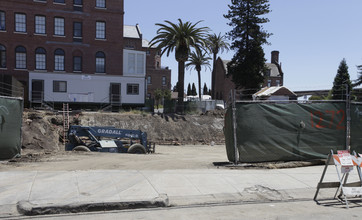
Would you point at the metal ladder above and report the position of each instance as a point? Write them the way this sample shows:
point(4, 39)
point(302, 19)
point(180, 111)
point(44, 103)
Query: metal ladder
point(65, 121)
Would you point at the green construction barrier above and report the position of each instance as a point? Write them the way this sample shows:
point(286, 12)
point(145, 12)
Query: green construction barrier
point(356, 127)
point(292, 131)
point(11, 110)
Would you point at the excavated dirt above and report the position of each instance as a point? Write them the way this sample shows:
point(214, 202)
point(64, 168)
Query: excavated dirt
point(43, 131)
point(182, 142)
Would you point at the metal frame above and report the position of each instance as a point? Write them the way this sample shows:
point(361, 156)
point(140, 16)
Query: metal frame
point(339, 185)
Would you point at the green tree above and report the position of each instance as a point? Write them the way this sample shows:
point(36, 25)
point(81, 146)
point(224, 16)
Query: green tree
point(189, 92)
point(342, 83)
point(216, 44)
point(197, 60)
point(193, 90)
point(358, 81)
point(248, 64)
point(205, 89)
point(167, 94)
point(158, 96)
point(175, 88)
point(162, 94)
point(181, 38)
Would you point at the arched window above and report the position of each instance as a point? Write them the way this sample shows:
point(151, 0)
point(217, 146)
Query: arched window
point(59, 60)
point(2, 56)
point(20, 57)
point(100, 62)
point(40, 58)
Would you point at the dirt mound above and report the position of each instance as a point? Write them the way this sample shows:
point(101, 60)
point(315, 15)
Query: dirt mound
point(43, 131)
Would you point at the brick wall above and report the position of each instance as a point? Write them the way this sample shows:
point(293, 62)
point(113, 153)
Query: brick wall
point(112, 46)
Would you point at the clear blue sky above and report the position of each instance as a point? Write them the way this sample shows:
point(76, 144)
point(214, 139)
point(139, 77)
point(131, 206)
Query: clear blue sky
point(312, 36)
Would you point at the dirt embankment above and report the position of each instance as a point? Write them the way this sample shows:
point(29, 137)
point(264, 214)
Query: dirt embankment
point(43, 131)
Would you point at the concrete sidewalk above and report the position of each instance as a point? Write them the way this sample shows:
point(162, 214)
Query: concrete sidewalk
point(33, 193)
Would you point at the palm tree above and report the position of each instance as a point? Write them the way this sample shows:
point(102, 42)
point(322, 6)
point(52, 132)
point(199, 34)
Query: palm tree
point(180, 37)
point(216, 44)
point(197, 60)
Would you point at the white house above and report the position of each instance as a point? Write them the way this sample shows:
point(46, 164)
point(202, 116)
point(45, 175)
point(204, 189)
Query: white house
point(127, 89)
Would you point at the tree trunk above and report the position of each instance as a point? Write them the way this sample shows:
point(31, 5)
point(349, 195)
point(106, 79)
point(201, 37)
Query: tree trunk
point(213, 77)
point(199, 76)
point(181, 81)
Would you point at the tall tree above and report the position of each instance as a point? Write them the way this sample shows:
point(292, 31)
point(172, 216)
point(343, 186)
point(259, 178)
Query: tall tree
point(205, 89)
point(197, 60)
point(181, 38)
point(248, 64)
point(216, 44)
point(189, 91)
point(342, 83)
point(358, 81)
point(193, 90)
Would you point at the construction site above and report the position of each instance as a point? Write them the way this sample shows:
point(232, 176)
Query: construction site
point(156, 162)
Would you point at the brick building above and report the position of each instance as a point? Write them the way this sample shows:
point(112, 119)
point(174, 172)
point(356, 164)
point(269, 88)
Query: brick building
point(157, 77)
point(70, 51)
point(273, 77)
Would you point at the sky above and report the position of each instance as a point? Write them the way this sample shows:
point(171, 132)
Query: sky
point(312, 36)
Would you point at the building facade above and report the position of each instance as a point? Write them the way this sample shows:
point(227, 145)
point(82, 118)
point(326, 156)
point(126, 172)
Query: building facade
point(157, 76)
point(69, 51)
point(273, 77)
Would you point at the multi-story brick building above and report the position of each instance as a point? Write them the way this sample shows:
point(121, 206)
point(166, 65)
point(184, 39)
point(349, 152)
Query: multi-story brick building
point(157, 77)
point(70, 51)
point(273, 77)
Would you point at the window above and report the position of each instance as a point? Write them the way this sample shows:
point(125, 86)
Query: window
point(59, 86)
point(39, 24)
point(40, 59)
point(77, 63)
point(100, 62)
point(132, 89)
point(77, 31)
point(59, 26)
point(59, 60)
point(59, 1)
point(20, 22)
point(100, 3)
point(163, 80)
point(135, 63)
point(78, 2)
point(131, 62)
point(149, 80)
point(78, 5)
point(277, 82)
point(269, 82)
point(2, 56)
point(100, 30)
point(140, 63)
point(20, 57)
point(2, 21)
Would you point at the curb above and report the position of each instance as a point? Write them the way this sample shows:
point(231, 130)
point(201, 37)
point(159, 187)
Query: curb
point(30, 209)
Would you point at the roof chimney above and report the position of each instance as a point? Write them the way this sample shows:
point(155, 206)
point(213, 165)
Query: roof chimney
point(275, 57)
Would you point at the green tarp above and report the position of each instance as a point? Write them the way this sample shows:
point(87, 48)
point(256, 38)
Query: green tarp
point(293, 131)
point(11, 110)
